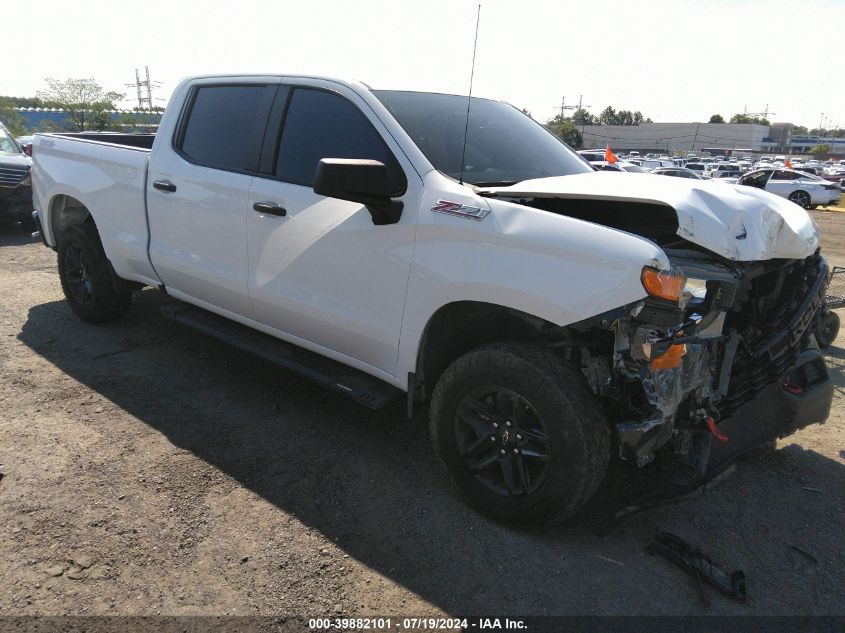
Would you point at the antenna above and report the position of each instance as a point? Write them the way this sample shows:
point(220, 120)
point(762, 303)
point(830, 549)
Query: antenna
point(469, 96)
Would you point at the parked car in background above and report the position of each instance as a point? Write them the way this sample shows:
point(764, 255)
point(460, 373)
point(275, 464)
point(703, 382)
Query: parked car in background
point(651, 164)
point(591, 155)
point(620, 165)
point(805, 190)
point(726, 170)
point(679, 172)
point(699, 168)
point(15, 183)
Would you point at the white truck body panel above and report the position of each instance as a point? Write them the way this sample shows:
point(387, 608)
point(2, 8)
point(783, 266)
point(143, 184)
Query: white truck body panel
point(110, 181)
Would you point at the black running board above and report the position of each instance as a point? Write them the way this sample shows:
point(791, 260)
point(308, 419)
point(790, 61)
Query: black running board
point(361, 387)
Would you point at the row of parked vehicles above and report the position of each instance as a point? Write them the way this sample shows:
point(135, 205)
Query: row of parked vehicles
point(809, 185)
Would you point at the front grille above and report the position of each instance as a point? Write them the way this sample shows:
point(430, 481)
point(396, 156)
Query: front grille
point(750, 376)
point(12, 176)
point(774, 322)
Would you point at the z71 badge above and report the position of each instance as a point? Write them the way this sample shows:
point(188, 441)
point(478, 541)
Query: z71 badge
point(461, 210)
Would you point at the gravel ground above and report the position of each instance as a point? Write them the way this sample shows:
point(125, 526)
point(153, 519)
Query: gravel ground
point(149, 470)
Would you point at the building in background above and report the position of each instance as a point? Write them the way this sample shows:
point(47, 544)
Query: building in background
point(131, 120)
point(713, 138)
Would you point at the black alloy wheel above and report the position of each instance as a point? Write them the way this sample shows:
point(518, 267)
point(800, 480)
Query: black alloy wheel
point(503, 441)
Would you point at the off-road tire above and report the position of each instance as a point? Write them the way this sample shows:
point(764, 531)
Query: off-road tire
point(577, 429)
point(109, 297)
point(827, 329)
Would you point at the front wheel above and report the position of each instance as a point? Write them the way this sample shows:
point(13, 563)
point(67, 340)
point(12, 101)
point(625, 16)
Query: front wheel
point(87, 280)
point(522, 435)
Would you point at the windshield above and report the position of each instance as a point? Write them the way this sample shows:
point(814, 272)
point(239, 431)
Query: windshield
point(7, 143)
point(504, 146)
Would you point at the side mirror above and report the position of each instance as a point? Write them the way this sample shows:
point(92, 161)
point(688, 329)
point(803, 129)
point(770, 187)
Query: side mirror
point(358, 180)
point(27, 149)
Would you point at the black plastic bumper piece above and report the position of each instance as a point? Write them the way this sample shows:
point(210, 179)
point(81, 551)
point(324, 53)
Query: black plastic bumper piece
point(802, 397)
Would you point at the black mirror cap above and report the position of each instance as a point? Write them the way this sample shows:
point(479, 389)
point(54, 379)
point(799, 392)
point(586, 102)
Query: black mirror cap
point(358, 180)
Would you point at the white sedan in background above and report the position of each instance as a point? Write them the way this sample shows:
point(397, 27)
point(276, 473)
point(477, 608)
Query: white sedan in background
point(803, 189)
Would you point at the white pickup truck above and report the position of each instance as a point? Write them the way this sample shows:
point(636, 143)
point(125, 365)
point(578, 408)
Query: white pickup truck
point(556, 318)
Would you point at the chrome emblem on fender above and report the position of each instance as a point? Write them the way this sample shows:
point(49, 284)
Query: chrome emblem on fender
point(461, 210)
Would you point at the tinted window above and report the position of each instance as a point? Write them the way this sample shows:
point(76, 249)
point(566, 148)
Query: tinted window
point(225, 126)
point(782, 174)
point(320, 125)
point(503, 145)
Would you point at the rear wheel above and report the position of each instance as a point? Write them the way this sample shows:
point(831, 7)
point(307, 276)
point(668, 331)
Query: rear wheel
point(801, 198)
point(520, 432)
point(86, 277)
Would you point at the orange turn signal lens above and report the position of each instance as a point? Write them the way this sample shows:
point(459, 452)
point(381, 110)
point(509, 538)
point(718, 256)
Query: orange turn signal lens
point(670, 359)
point(663, 284)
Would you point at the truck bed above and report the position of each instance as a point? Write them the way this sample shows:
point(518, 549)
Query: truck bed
point(109, 172)
point(138, 141)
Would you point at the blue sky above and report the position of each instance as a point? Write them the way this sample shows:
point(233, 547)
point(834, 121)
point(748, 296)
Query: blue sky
point(676, 60)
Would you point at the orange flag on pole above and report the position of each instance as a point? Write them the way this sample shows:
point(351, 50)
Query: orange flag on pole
point(609, 156)
point(788, 164)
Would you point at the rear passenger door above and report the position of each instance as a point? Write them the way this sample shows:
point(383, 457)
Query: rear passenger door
point(782, 183)
point(322, 272)
point(197, 192)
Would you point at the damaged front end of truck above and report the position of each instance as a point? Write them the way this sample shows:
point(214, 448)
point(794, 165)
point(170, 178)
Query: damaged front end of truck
point(719, 357)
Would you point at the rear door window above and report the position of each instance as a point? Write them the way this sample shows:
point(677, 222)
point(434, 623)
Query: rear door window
point(224, 126)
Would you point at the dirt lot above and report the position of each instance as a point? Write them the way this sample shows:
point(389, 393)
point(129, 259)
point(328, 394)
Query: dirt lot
point(149, 470)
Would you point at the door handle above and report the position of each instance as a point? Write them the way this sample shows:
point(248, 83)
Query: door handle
point(270, 208)
point(164, 185)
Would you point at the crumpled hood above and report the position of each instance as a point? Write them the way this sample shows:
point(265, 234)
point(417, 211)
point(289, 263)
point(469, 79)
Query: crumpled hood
point(734, 221)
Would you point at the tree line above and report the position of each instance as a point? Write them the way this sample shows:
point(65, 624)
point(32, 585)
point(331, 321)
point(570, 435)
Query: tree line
point(87, 104)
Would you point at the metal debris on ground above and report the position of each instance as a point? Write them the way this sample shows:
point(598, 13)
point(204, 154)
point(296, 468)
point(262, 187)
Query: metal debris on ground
point(698, 565)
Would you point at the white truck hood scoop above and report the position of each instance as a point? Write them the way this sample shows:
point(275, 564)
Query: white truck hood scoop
point(737, 222)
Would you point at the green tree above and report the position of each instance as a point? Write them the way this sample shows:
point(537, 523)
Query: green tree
point(582, 117)
point(716, 118)
point(822, 148)
point(609, 116)
point(10, 118)
point(800, 130)
point(568, 132)
point(84, 100)
point(46, 125)
point(745, 118)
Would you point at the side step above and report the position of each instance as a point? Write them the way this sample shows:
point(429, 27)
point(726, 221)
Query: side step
point(361, 387)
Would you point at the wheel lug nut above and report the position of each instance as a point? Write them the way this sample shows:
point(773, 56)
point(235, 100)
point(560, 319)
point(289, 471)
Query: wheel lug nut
point(495, 425)
point(518, 436)
point(508, 423)
point(502, 451)
point(492, 438)
point(516, 451)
